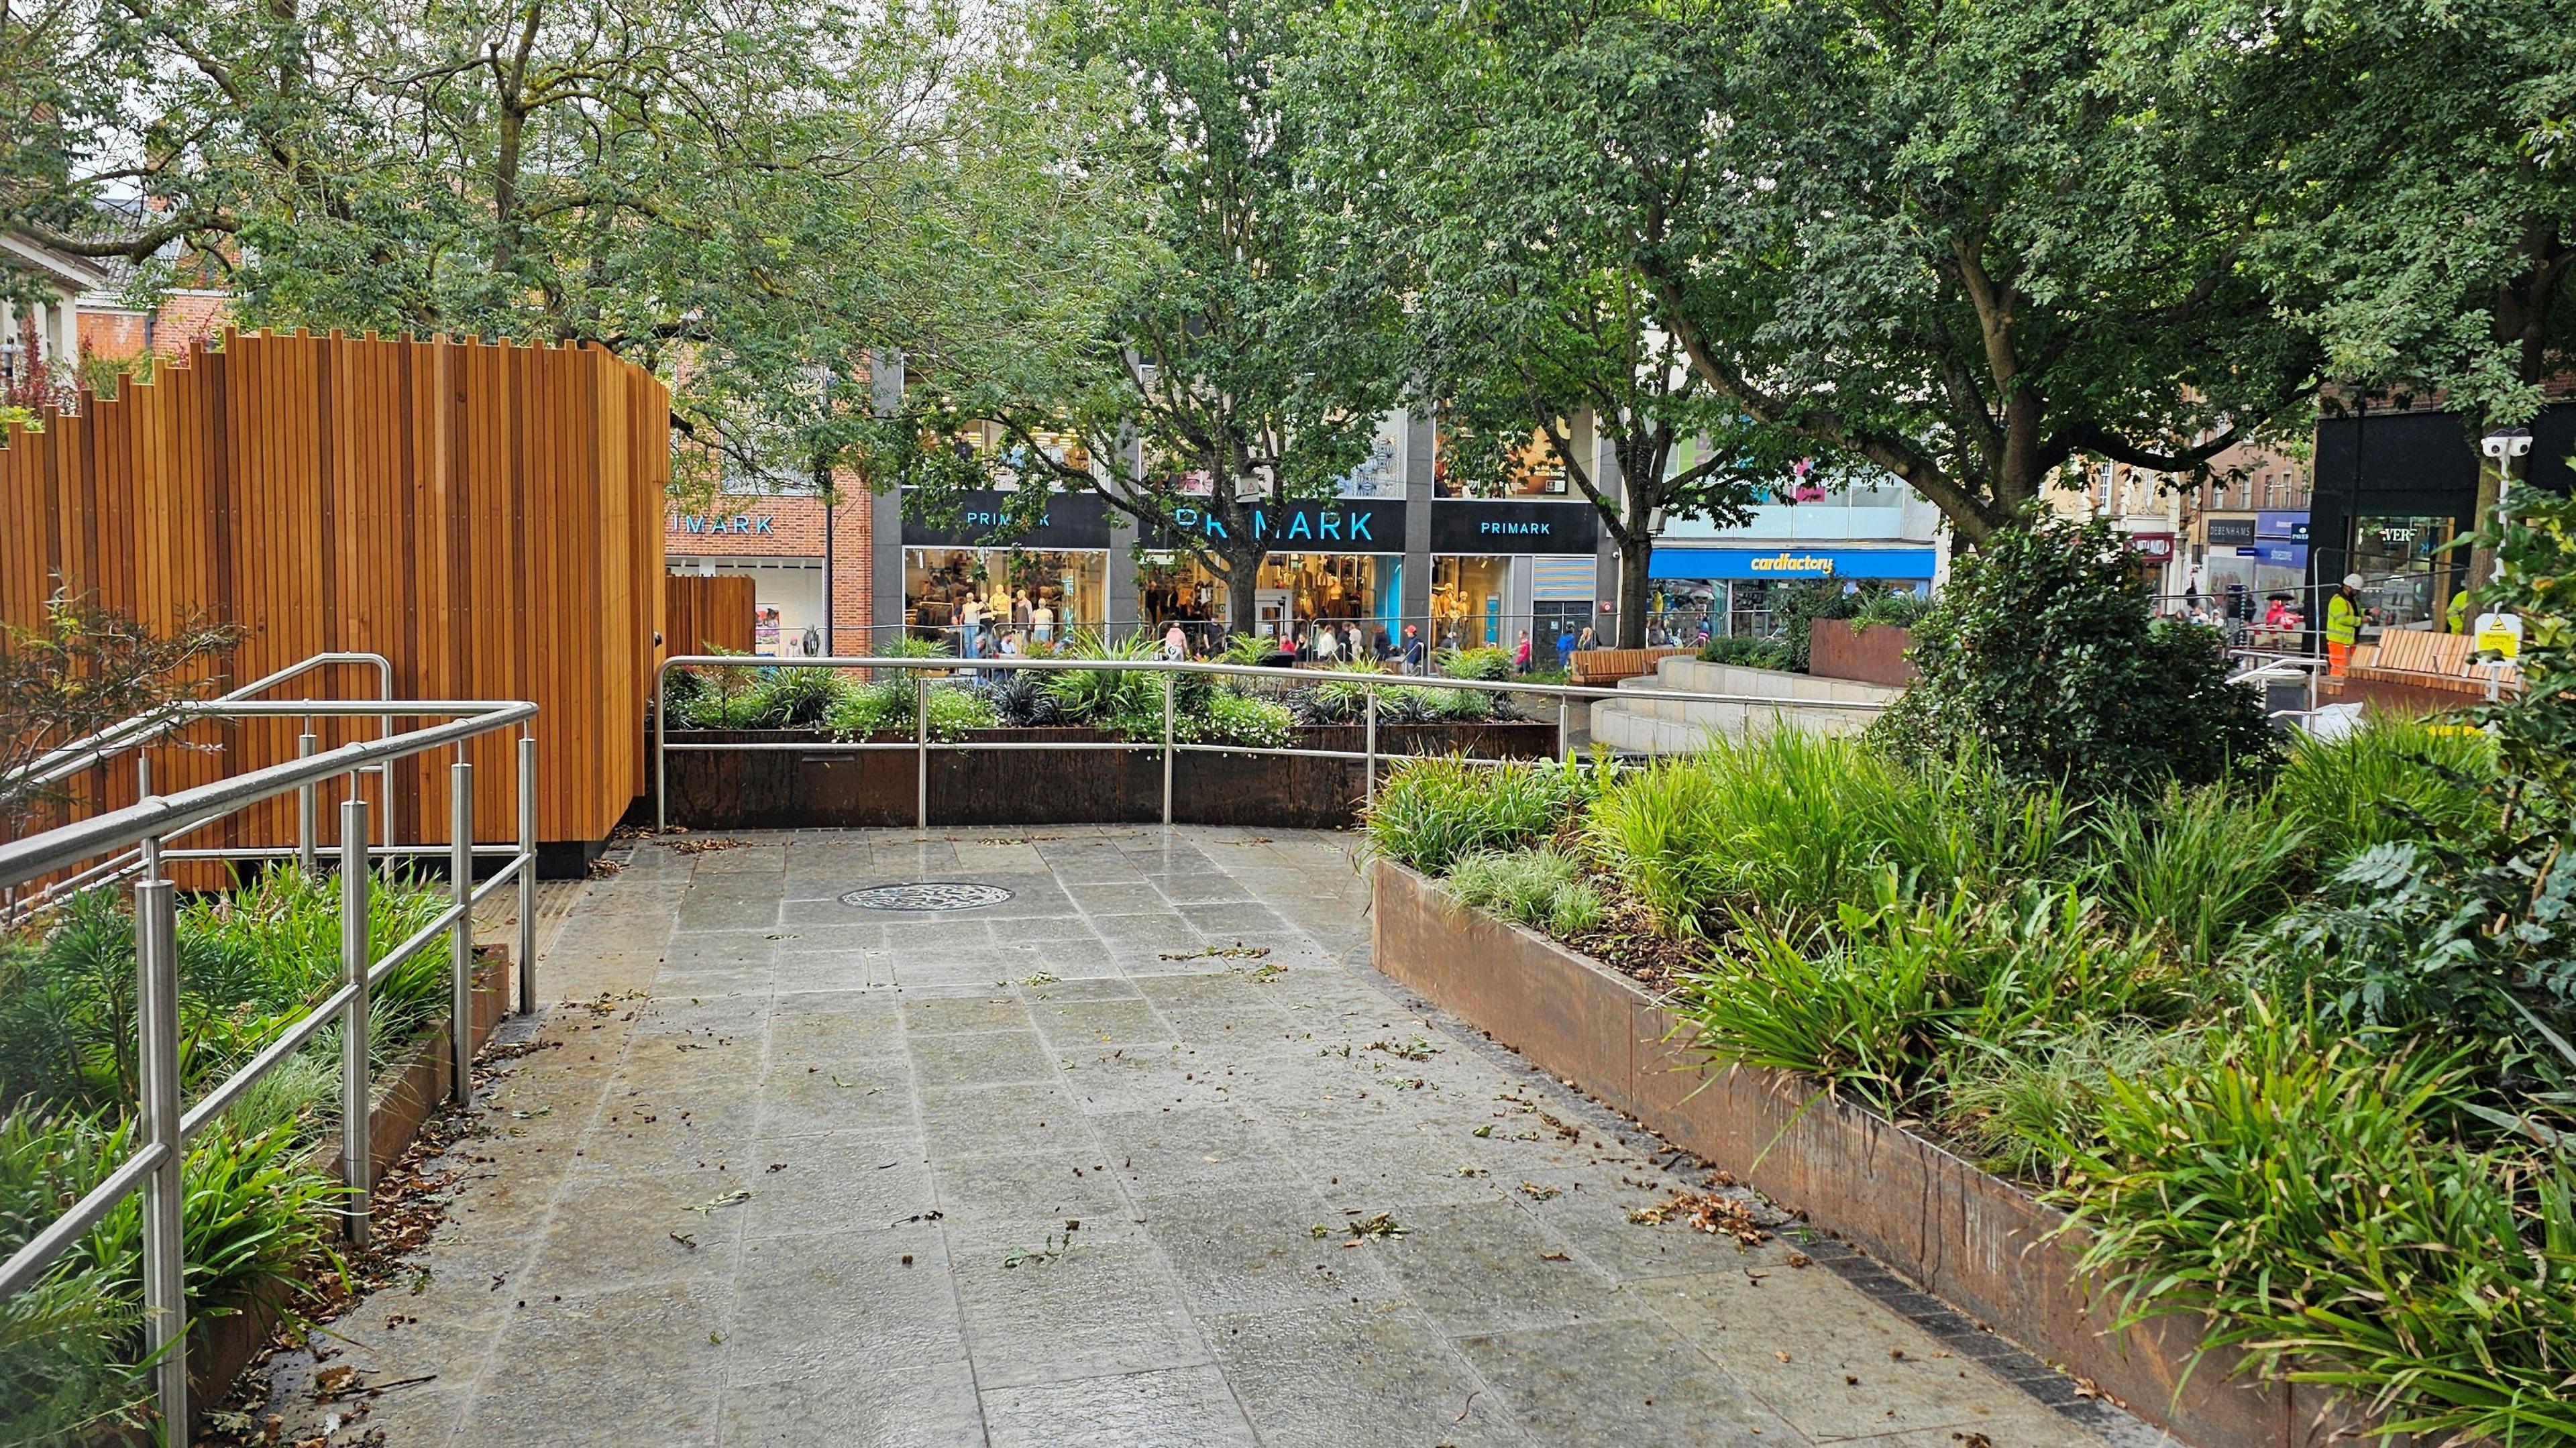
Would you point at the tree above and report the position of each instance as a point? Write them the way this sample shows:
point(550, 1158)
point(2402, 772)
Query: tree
point(2444, 222)
point(738, 196)
point(1244, 357)
point(79, 670)
point(1968, 245)
point(1475, 166)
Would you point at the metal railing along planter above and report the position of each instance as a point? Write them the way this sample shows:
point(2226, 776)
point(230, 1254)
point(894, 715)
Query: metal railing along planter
point(1092, 776)
point(405, 1097)
point(1975, 1240)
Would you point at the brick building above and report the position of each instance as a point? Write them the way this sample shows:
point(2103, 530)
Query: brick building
point(799, 551)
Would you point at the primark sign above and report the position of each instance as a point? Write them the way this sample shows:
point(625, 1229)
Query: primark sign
point(1332, 525)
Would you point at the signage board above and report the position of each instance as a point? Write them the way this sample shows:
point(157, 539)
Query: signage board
point(2155, 547)
point(982, 520)
point(2228, 532)
point(1343, 525)
point(2289, 526)
point(2279, 555)
point(1505, 526)
point(1891, 564)
point(2500, 634)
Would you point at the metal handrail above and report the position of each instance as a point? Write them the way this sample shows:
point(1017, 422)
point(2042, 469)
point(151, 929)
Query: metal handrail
point(922, 745)
point(155, 1166)
point(65, 760)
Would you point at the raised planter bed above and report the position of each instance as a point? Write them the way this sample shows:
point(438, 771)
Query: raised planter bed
point(405, 1098)
point(792, 789)
point(1971, 1238)
point(1838, 648)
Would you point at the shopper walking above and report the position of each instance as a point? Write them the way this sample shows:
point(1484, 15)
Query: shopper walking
point(1521, 655)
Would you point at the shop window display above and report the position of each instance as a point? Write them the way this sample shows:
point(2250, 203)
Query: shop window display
point(1295, 591)
point(2408, 570)
point(1467, 601)
point(1042, 596)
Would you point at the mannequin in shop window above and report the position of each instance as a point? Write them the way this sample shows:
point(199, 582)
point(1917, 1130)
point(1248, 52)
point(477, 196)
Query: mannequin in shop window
point(1021, 614)
point(1042, 622)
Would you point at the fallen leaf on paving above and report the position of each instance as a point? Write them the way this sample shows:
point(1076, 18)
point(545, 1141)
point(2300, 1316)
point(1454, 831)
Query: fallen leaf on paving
point(1536, 1192)
point(707, 1207)
point(1383, 1224)
point(1782, 1356)
point(338, 1378)
point(700, 847)
point(1709, 1212)
point(1554, 1257)
point(685, 1240)
point(1801, 1259)
point(1486, 1130)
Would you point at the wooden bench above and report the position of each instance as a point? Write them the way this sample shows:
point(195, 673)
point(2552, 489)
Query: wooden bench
point(2429, 660)
point(1609, 666)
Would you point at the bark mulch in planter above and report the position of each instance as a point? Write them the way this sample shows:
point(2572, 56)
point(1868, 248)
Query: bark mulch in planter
point(1971, 1238)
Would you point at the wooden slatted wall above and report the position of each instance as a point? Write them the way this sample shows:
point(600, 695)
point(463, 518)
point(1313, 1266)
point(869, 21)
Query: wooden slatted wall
point(708, 613)
point(486, 516)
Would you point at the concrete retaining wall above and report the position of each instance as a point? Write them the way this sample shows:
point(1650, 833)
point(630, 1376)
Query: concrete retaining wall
point(1970, 1238)
point(1641, 722)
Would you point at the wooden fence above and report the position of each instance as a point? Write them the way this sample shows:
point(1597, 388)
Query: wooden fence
point(488, 517)
point(708, 613)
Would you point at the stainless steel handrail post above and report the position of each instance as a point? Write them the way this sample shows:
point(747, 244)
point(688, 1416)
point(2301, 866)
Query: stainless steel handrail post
point(661, 760)
point(165, 1236)
point(460, 936)
point(527, 874)
point(385, 722)
point(921, 749)
point(1368, 691)
point(1167, 749)
point(1564, 725)
point(308, 805)
point(357, 1149)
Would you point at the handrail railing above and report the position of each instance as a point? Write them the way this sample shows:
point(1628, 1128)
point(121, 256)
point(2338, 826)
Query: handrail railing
point(138, 833)
point(65, 760)
point(922, 745)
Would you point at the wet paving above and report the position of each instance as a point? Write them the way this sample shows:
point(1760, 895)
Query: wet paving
point(1125, 1144)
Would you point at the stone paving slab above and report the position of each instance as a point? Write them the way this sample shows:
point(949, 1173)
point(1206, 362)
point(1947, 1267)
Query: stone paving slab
point(1096, 1165)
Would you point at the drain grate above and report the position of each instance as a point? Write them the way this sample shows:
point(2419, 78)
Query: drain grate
point(927, 895)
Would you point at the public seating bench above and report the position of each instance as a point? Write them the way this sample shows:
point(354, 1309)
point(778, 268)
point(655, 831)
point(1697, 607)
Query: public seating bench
point(1609, 666)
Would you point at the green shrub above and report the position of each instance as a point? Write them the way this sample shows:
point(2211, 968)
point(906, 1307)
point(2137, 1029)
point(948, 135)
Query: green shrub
point(1491, 664)
point(2043, 651)
point(2198, 865)
point(2018, 1106)
point(2391, 780)
point(1751, 653)
point(1788, 824)
point(886, 707)
point(1229, 717)
point(2302, 1191)
point(1540, 888)
point(798, 697)
point(1432, 812)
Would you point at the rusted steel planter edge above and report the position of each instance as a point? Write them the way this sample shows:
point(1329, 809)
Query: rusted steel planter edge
point(1968, 1237)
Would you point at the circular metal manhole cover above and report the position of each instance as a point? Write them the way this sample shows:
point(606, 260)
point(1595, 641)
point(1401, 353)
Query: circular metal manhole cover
point(927, 895)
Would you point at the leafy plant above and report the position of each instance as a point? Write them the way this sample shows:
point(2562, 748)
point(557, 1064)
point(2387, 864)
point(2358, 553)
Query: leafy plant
point(1751, 653)
point(2020, 1105)
point(1433, 811)
point(2394, 778)
point(2043, 651)
point(1233, 718)
point(798, 697)
point(1493, 665)
point(1021, 699)
point(2301, 1191)
point(1539, 887)
point(2198, 865)
point(81, 668)
point(887, 707)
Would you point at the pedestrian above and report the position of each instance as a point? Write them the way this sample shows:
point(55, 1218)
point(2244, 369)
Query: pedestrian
point(1351, 642)
point(1565, 648)
point(2343, 625)
point(1042, 622)
point(1176, 644)
point(812, 643)
point(1413, 651)
point(1328, 646)
point(1583, 641)
point(1521, 655)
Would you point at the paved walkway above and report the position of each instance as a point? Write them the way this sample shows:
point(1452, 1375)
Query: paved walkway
point(1144, 1154)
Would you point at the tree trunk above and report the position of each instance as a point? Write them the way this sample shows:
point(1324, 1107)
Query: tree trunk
point(1242, 581)
point(1635, 562)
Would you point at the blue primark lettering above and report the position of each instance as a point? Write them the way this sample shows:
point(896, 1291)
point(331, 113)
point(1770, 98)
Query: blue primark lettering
point(1330, 524)
point(1299, 527)
point(1359, 528)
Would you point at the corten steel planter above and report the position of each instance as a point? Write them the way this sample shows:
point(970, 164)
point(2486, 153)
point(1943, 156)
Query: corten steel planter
point(793, 789)
point(1838, 648)
point(405, 1098)
point(1973, 1239)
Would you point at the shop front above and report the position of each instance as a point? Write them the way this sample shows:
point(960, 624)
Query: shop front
point(1504, 567)
point(1735, 589)
point(806, 559)
point(1043, 580)
point(1336, 560)
point(2396, 494)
